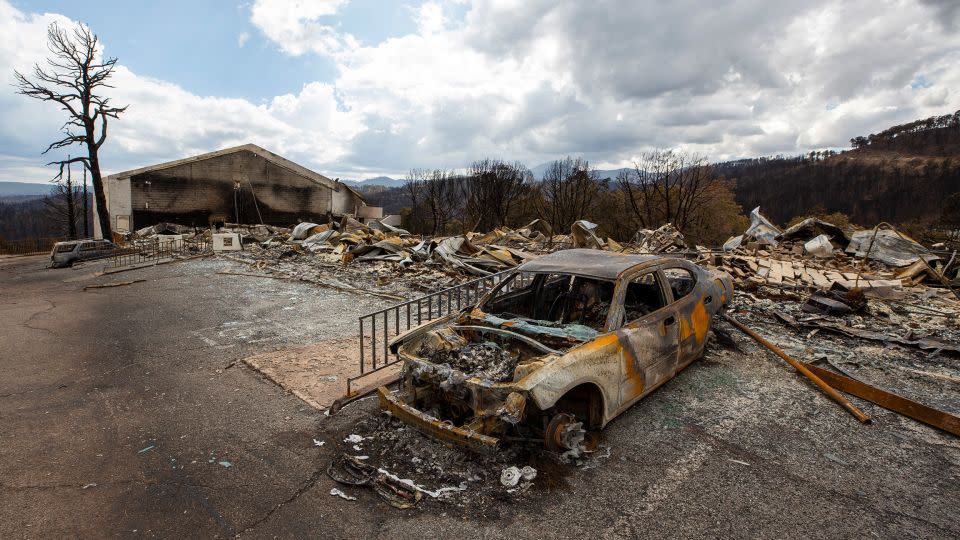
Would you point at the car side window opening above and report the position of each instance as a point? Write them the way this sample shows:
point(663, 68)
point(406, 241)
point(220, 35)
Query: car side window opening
point(554, 299)
point(88, 246)
point(644, 296)
point(681, 281)
point(515, 297)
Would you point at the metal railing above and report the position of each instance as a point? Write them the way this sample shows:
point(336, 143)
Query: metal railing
point(27, 246)
point(381, 326)
point(154, 249)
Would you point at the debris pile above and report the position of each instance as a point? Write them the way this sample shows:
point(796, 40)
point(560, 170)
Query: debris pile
point(585, 234)
point(666, 239)
point(405, 468)
point(817, 254)
point(486, 360)
point(908, 340)
point(873, 304)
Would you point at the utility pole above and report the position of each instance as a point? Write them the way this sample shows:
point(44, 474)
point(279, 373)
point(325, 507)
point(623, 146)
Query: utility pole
point(71, 210)
point(86, 225)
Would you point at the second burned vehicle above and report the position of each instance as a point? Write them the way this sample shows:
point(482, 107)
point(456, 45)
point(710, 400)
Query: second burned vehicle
point(564, 345)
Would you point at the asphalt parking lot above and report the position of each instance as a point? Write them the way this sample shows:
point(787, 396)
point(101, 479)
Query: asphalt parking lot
point(126, 411)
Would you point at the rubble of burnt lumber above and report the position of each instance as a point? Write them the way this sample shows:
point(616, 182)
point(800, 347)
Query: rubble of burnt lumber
point(389, 261)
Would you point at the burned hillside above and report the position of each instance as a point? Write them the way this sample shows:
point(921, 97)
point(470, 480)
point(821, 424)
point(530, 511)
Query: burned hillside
point(900, 175)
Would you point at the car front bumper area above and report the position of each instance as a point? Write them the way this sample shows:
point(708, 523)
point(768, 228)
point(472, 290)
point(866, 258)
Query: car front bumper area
point(435, 427)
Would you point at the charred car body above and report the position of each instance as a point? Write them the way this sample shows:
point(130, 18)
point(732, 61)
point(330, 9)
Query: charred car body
point(565, 344)
point(66, 253)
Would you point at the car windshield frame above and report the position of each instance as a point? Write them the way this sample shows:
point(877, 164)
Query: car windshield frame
point(492, 294)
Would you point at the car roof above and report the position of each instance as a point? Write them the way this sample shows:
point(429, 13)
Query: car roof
point(86, 241)
point(587, 262)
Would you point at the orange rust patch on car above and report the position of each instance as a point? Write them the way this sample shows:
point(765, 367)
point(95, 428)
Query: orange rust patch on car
point(723, 291)
point(632, 376)
point(697, 325)
point(601, 341)
point(701, 321)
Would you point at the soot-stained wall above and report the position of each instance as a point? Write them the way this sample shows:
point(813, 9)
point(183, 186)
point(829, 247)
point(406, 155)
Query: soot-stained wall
point(202, 191)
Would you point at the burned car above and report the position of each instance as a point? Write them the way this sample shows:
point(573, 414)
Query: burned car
point(557, 350)
point(66, 253)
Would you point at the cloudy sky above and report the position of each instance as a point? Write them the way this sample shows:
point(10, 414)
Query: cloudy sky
point(359, 88)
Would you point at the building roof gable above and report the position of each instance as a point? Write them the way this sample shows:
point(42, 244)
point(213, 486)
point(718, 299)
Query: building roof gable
point(280, 161)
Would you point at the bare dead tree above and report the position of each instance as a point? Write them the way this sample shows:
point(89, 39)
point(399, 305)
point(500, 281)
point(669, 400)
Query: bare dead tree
point(490, 191)
point(667, 186)
point(434, 196)
point(569, 191)
point(414, 185)
point(61, 207)
point(440, 200)
point(74, 78)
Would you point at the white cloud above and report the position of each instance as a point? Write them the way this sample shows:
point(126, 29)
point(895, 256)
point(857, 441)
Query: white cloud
point(298, 27)
point(430, 18)
point(242, 39)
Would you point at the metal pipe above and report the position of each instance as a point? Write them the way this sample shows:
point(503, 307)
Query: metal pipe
point(802, 369)
point(912, 409)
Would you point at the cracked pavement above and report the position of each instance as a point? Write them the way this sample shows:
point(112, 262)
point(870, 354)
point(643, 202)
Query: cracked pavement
point(117, 406)
point(125, 412)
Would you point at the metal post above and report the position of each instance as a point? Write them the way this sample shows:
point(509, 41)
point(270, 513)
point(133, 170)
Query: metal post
point(361, 345)
point(386, 328)
point(373, 341)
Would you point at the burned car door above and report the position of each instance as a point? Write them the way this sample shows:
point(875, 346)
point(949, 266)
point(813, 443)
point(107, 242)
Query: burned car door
point(691, 299)
point(650, 336)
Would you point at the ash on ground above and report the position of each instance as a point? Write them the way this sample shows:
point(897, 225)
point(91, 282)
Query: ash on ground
point(447, 475)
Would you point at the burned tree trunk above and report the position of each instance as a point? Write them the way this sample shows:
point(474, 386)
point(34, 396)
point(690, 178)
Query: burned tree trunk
point(73, 78)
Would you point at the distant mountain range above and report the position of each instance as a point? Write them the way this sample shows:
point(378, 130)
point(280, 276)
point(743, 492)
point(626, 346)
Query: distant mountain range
point(385, 181)
point(21, 189)
point(537, 171)
point(612, 174)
